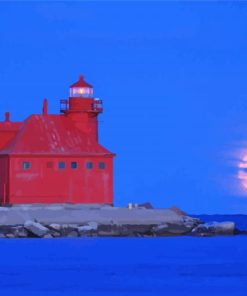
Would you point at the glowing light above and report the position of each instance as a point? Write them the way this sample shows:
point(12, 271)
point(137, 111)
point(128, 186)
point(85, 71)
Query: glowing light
point(81, 91)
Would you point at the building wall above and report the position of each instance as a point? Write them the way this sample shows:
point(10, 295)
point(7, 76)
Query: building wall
point(4, 162)
point(45, 182)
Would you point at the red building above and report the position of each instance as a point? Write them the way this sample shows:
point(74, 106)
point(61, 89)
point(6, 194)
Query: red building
point(56, 158)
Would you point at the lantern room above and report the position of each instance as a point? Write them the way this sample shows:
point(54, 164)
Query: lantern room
point(81, 89)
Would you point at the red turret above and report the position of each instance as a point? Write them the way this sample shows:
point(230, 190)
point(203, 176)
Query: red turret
point(82, 107)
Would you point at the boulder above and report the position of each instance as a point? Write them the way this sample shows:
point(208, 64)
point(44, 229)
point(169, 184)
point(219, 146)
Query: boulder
point(67, 228)
point(4, 229)
point(108, 230)
point(36, 228)
point(135, 229)
point(20, 232)
point(180, 227)
point(73, 233)
point(10, 235)
point(90, 227)
point(124, 229)
point(48, 235)
point(190, 223)
point(93, 225)
point(166, 229)
point(55, 226)
point(215, 228)
point(55, 229)
point(84, 228)
point(160, 229)
point(55, 234)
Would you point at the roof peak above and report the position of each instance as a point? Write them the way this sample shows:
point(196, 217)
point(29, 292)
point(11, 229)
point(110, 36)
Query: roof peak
point(81, 83)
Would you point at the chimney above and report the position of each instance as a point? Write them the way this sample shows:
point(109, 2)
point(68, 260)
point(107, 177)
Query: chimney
point(7, 117)
point(45, 107)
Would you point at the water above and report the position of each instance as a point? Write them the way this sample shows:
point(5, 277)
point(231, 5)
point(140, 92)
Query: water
point(124, 266)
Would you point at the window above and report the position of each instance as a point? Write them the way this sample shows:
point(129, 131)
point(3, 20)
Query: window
point(74, 165)
point(101, 165)
point(61, 165)
point(89, 165)
point(26, 165)
point(49, 164)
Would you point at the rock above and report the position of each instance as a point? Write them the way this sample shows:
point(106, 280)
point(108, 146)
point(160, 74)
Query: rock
point(90, 227)
point(16, 230)
point(20, 232)
point(67, 228)
point(160, 229)
point(56, 229)
point(215, 228)
point(73, 234)
point(4, 229)
point(36, 228)
point(136, 229)
point(84, 228)
point(191, 223)
point(10, 235)
point(93, 225)
point(166, 229)
point(55, 234)
point(54, 226)
point(2, 235)
point(146, 205)
point(124, 229)
point(108, 230)
point(48, 235)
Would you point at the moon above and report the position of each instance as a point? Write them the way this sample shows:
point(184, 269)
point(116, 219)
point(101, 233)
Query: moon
point(242, 171)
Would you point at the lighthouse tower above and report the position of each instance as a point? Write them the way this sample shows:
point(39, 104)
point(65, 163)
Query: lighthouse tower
point(82, 108)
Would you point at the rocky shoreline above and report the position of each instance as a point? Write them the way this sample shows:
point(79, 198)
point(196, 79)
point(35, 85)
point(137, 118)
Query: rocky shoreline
point(97, 221)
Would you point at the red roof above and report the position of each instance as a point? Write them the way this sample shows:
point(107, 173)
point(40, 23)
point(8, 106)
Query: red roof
point(81, 83)
point(9, 126)
point(52, 134)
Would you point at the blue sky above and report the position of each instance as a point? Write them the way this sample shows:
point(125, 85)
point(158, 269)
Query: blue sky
point(172, 76)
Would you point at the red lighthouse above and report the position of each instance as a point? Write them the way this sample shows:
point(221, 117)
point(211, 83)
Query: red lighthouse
point(56, 158)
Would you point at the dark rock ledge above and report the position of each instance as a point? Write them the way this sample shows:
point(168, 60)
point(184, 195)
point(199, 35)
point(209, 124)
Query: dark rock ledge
point(103, 221)
point(91, 229)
